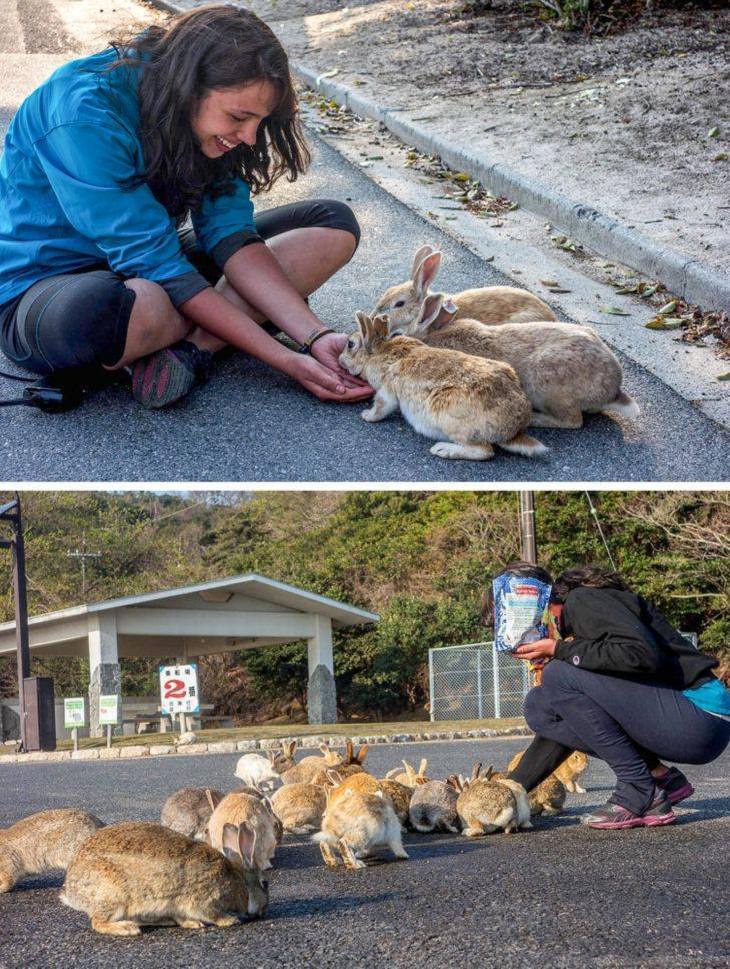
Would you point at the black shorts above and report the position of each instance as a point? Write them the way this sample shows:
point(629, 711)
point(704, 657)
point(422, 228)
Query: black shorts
point(80, 319)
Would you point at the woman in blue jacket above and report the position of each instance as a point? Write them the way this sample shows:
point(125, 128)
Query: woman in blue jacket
point(102, 166)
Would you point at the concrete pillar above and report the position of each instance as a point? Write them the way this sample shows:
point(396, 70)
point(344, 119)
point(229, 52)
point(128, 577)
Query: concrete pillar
point(321, 693)
point(105, 675)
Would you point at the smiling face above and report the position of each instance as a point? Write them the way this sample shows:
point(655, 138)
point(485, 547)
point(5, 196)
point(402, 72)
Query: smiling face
point(225, 118)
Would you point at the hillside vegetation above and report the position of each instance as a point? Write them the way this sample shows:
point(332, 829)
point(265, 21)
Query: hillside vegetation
point(420, 559)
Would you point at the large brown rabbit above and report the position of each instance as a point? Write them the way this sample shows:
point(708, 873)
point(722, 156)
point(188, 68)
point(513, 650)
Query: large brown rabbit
point(138, 873)
point(564, 369)
point(357, 825)
point(237, 809)
point(465, 403)
point(42, 842)
point(491, 304)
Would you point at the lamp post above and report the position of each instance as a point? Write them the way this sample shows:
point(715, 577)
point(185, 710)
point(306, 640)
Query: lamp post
point(10, 512)
point(527, 527)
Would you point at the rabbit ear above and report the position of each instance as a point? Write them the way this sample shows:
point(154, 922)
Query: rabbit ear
point(272, 756)
point(325, 748)
point(380, 327)
point(475, 771)
point(288, 747)
point(394, 772)
point(213, 799)
point(246, 844)
point(334, 778)
point(430, 310)
point(362, 754)
point(422, 767)
point(230, 842)
point(488, 772)
point(419, 257)
point(365, 324)
point(426, 273)
point(349, 756)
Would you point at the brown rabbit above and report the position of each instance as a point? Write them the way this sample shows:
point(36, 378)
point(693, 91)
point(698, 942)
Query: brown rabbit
point(352, 763)
point(138, 873)
point(568, 772)
point(491, 304)
point(360, 783)
point(409, 777)
point(486, 805)
point(564, 369)
point(42, 842)
point(357, 825)
point(548, 797)
point(188, 811)
point(299, 807)
point(237, 809)
point(468, 403)
point(400, 798)
point(328, 758)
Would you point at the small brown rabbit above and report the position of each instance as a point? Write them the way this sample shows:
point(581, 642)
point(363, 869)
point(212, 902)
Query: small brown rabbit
point(328, 758)
point(360, 783)
point(188, 811)
point(237, 809)
point(42, 842)
point(409, 776)
point(352, 763)
point(485, 805)
point(564, 369)
point(137, 873)
point(433, 807)
point(548, 797)
point(568, 772)
point(400, 798)
point(468, 403)
point(357, 825)
point(491, 304)
point(299, 807)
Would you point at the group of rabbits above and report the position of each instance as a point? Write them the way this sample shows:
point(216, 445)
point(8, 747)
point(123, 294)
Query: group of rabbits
point(474, 369)
point(206, 862)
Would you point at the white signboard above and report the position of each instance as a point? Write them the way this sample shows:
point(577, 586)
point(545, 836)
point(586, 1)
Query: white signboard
point(74, 712)
point(179, 689)
point(108, 707)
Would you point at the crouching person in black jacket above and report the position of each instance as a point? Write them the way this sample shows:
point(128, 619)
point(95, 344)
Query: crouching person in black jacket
point(624, 686)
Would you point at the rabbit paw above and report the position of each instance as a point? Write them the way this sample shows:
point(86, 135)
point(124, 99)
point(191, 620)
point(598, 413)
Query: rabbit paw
point(190, 924)
point(330, 858)
point(115, 928)
point(467, 452)
point(371, 415)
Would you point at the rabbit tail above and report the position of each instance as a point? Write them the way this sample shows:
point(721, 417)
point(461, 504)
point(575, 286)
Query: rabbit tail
point(525, 445)
point(324, 837)
point(622, 404)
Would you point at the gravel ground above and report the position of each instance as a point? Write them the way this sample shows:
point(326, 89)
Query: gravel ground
point(561, 895)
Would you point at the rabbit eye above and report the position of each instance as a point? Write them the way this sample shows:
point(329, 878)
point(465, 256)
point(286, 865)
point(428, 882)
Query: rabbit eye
point(350, 344)
point(401, 302)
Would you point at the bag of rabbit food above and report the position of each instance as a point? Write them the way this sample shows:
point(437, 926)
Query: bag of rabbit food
point(520, 610)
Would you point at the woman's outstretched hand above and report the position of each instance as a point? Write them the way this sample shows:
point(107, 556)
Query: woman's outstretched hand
point(540, 649)
point(325, 378)
point(327, 383)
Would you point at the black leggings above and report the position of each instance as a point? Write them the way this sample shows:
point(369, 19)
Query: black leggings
point(80, 319)
point(631, 724)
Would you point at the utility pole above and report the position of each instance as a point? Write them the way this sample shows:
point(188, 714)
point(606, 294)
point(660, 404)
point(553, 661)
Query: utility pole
point(10, 512)
point(527, 527)
point(83, 555)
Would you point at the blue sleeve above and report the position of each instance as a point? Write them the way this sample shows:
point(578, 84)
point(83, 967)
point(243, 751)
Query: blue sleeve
point(226, 224)
point(85, 164)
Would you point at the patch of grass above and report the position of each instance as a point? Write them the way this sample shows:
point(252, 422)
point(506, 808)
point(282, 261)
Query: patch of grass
point(274, 731)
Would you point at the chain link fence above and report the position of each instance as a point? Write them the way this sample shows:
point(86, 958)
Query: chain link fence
point(474, 681)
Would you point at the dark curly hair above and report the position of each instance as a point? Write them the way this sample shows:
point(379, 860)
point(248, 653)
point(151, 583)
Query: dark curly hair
point(592, 576)
point(210, 48)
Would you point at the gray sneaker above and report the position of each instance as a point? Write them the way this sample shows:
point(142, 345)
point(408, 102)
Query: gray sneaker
point(169, 374)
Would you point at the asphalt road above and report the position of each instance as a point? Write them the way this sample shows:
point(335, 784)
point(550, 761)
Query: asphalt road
point(252, 424)
point(561, 895)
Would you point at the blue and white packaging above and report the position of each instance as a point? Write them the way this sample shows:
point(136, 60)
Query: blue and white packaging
point(520, 610)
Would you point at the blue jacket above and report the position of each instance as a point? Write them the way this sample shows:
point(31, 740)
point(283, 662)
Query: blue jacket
point(71, 143)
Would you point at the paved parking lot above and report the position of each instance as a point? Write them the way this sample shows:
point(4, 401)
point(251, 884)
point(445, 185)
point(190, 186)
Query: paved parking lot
point(561, 895)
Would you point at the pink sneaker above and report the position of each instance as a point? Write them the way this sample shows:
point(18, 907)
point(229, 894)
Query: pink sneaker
point(613, 817)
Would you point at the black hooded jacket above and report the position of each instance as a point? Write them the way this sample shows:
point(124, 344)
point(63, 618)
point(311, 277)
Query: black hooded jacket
point(621, 634)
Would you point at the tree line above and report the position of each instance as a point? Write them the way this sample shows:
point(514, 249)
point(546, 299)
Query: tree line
point(419, 559)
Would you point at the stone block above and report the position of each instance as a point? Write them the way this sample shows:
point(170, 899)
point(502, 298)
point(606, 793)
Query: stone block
point(222, 747)
point(85, 754)
point(247, 745)
point(159, 750)
point(109, 753)
point(134, 750)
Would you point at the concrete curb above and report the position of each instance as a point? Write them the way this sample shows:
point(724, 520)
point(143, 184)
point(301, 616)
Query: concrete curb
point(683, 276)
point(246, 746)
point(692, 280)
